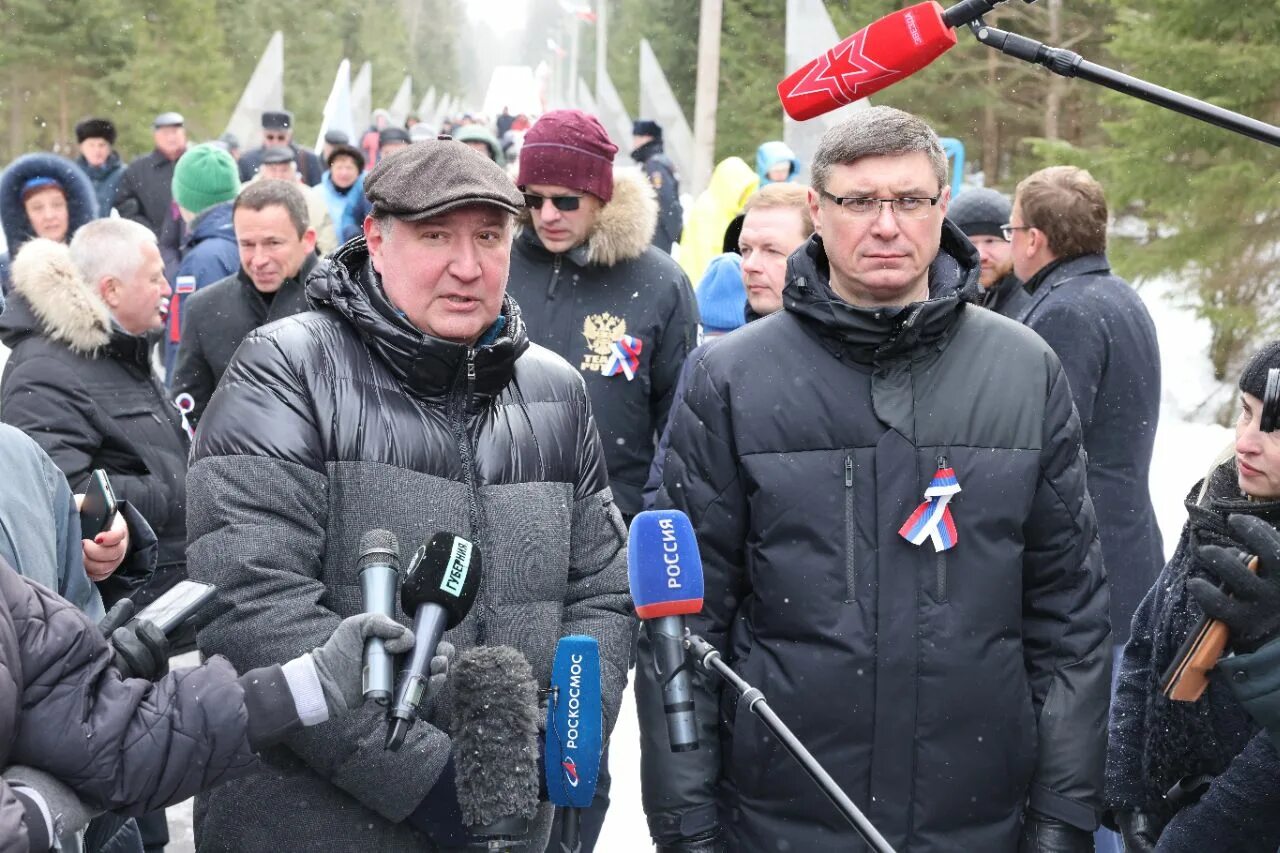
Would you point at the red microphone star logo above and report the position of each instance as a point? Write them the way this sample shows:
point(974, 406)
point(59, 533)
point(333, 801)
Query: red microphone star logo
point(841, 71)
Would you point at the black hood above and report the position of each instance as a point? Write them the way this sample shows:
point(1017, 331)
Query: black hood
point(82, 203)
point(870, 334)
point(426, 365)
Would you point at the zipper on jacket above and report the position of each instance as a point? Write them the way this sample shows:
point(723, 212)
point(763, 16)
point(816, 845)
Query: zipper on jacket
point(555, 277)
point(459, 406)
point(940, 580)
point(850, 535)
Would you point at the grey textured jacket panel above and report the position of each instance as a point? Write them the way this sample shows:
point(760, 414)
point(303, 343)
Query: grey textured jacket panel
point(941, 690)
point(127, 745)
point(333, 422)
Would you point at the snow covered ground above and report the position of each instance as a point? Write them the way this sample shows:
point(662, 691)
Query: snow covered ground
point(1186, 444)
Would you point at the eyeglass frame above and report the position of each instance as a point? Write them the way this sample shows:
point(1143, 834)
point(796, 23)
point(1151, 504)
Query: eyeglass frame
point(562, 203)
point(1007, 229)
point(840, 201)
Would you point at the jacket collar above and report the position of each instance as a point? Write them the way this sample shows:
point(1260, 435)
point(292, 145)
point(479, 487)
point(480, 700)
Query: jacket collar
point(427, 366)
point(296, 284)
point(623, 232)
point(644, 152)
point(1056, 273)
point(873, 334)
point(55, 300)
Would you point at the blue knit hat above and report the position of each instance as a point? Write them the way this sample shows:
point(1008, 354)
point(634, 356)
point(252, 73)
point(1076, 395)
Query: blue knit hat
point(722, 297)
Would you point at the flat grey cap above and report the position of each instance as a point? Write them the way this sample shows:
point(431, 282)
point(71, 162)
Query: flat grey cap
point(436, 176)
point(169, 119)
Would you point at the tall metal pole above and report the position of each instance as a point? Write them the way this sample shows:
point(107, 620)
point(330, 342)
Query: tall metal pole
point(708, 93)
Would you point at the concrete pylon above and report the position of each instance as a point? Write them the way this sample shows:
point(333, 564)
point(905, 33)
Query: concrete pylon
point(337, 108)
point(402, 102)
point(658, 102)
point(265, 91)
point(362, 97)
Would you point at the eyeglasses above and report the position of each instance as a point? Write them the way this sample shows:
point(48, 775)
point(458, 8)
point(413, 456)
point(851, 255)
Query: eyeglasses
point(906, 207)
point(564, 203)
point(1007, 230)
point(275, 137)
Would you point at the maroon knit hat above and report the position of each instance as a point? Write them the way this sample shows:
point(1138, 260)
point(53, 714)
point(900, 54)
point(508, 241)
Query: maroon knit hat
point(568, 148)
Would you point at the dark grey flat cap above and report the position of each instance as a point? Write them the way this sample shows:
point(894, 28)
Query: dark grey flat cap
point(277, 154)
point(436, 176)
point(168, 120)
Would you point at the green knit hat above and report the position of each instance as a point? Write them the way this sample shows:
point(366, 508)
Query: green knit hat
point(206, 175)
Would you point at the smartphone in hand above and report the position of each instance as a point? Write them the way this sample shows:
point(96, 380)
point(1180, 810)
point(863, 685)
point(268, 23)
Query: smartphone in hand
point(98, 509)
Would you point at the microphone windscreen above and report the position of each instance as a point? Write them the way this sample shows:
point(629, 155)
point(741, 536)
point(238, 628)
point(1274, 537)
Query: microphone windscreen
point(495, 735)
point(664, 565)
point(876, 56)
point(574, 723)
point(378, 547)
point(445, 571)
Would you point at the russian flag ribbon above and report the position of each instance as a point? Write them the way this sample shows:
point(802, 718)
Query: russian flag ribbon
point(932, 519)
point(624, 358)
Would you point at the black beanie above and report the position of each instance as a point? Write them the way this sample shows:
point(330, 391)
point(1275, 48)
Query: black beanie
point(980, 211)
point(1254, 378)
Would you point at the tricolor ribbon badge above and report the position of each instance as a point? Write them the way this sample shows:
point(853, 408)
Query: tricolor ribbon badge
point(624, 357)
point(932, 519)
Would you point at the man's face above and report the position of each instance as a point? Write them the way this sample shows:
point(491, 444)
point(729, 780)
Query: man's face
point(170, 141)
point(279, 172)
point(447, 274)
point(1027, 245)
point(882, 259)
point(389, 148)
point(562, 230)
point(779, 172)
point(275, 136)
point(996, 255)
point(47, 212)
point(480, 147)
point(637, 141)
point(139, 304)
point(95, 150)
point(768, 236)
point(270, 249)
point(343, 171)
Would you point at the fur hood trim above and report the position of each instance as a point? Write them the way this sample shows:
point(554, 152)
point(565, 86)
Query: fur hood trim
point(62, 301)
point(627, 221)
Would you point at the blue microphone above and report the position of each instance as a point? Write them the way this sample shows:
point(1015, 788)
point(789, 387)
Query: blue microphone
point(665, 570)
point(575, 723)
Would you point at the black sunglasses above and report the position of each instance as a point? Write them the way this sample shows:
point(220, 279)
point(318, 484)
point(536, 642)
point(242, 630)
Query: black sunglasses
point(564, 203)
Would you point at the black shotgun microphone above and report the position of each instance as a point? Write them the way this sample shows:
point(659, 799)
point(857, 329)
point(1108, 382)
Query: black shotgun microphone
point(379, 570)
point(495, 739)
point(438, 591)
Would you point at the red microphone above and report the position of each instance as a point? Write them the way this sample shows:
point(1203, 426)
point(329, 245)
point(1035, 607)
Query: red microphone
point(876, 56)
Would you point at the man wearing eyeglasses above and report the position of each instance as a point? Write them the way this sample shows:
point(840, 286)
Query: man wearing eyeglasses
point(898, 547)
point(277, 132)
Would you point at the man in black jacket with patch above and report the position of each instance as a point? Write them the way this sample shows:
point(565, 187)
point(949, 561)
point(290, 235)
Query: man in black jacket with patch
point(277, 131)
point(145, 192)
point(898, 548)
point(594, 291)
point(646, 149)
point(277, 253)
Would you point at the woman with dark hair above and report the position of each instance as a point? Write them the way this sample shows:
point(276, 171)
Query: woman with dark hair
point(1201, 776)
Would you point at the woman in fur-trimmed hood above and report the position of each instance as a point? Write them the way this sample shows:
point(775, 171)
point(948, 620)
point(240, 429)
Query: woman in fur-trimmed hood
point(82, 386)
point(26, 176)
point(595, 291)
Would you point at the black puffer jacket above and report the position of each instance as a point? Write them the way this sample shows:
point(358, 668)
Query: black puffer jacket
point(129, 745)
point(333, 422)
point(146, 191)
point(942, 691)
point(578, 303)
point(85, 391)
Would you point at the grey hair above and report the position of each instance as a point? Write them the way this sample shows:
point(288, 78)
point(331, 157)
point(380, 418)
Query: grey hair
point(101, 248)
point(875, 132)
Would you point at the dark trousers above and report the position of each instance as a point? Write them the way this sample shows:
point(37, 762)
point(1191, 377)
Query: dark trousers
point(592, 818)
point(155, 831)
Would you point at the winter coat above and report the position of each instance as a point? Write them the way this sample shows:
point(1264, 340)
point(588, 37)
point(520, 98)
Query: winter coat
point(769, 154)
point(732, 183)
point(128, 745)
point(1155, 742)
point(84, 390)
point(337, 421)
point(1104, 336)
point(1255, 681)
point(105, 180)
point(146, 191)
point(210, 253)
point(580, 302)
point(82, 204)
point(217, 319)
point(944, 692)
point(309, 165)
point(1006, 297)
point(330, 211)
point(662, 176)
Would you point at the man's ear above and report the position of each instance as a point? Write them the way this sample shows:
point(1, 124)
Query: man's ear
point(109, 290)
point(309, 239)
point(815, 212)
point(944, 199)
point(373, 238)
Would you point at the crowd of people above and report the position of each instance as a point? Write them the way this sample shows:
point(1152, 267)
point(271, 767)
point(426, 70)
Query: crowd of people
point(912, 432)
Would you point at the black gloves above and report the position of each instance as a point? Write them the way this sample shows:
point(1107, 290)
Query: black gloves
point(1139, 830)
point(1044, 834)
point(706, 842)
point(141, 648)
point(1252, 610)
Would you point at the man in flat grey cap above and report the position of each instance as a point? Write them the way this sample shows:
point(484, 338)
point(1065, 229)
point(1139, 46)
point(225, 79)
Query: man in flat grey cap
point(145, 191)
point(277, 132)
point(410, 399)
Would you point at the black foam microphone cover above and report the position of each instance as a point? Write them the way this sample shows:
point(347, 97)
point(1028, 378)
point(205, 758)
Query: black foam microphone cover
point(445, 571)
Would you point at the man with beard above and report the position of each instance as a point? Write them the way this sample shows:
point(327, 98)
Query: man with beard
point(981, 214)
